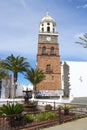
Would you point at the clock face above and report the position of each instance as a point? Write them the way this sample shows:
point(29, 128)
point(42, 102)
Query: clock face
point(48, 38)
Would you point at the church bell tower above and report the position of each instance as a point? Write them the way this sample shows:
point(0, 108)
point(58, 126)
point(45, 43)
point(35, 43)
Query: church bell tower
point(48, 58)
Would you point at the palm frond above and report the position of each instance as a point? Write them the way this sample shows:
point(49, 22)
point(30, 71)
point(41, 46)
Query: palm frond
point(83, 41)
point(35, 76)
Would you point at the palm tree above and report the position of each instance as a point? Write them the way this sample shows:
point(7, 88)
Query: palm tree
point(3, 75)
point(35, 76)
point(16, 64)
point(83, 40)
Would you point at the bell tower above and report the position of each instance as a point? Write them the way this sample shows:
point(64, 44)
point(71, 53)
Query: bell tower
point(48, 58)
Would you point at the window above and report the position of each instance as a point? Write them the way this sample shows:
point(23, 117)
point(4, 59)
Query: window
point(52, 50)
point(44, 50)
point(52, 77)
point(48, 67)
point(42, 29)
point(48, 23)
point(48, 29)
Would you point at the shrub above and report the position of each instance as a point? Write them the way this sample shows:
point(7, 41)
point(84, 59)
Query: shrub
point(48, 107)
point(32, 102)
point(28, 118)
point(66, 108)
point(46, 115)
point(50, 115)
point(40, 116)
point(11, 109)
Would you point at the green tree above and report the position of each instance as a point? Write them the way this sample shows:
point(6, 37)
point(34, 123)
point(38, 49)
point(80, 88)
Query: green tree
point(3, 74)
point(16, 65)
point(83, 40)
point(35, 76)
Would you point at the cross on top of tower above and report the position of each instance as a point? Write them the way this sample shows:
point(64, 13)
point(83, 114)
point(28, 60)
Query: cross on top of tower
point(47, 13)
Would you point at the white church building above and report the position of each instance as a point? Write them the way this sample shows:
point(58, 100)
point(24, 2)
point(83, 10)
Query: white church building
point(77, 78)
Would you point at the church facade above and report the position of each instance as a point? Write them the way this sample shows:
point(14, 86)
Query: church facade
point(48, 58)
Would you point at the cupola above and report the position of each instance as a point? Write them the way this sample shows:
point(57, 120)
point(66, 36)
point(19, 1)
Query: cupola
point(47, 24)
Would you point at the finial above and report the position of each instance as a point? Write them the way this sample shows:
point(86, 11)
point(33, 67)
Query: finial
point(47, 13)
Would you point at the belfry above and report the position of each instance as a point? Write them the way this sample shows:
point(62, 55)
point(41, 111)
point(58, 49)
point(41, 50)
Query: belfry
point(48, 58)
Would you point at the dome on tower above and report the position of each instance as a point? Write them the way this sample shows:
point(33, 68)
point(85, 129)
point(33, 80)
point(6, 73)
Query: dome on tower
point(47, 24)
point(47, 18)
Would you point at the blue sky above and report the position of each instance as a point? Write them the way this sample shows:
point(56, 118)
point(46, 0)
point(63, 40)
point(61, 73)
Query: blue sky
point(19, 27)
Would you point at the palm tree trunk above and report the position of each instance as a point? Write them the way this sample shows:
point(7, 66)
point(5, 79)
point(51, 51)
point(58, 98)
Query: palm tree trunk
point(15, 83)
point(0, 87)
point(34, 91)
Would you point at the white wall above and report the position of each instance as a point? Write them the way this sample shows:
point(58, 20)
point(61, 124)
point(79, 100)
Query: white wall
point(78, 78)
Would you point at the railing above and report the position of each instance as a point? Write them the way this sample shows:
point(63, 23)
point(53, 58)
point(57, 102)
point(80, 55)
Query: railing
point(6, 101)
point(78, 111)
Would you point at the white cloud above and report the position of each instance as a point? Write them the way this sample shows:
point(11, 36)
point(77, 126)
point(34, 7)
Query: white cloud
point(82, 6)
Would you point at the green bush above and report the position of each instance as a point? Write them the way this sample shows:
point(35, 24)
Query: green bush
point(28, 118)
point(67, 107)
point(40, 116)
point(46, 116)
point(50, 115)
point(11, 109)
point(32, 102)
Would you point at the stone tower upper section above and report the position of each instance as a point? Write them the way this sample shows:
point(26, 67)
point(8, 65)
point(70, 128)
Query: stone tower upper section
point(47, 30)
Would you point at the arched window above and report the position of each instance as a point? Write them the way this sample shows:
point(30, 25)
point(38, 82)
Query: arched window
point(48, 68)
point(48, 29)
point(42, 29)
point(48, 23)
point(53, 30)
point(44, 50)
point(52, 50)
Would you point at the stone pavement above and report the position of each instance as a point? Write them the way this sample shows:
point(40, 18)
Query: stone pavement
point(80, 124)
